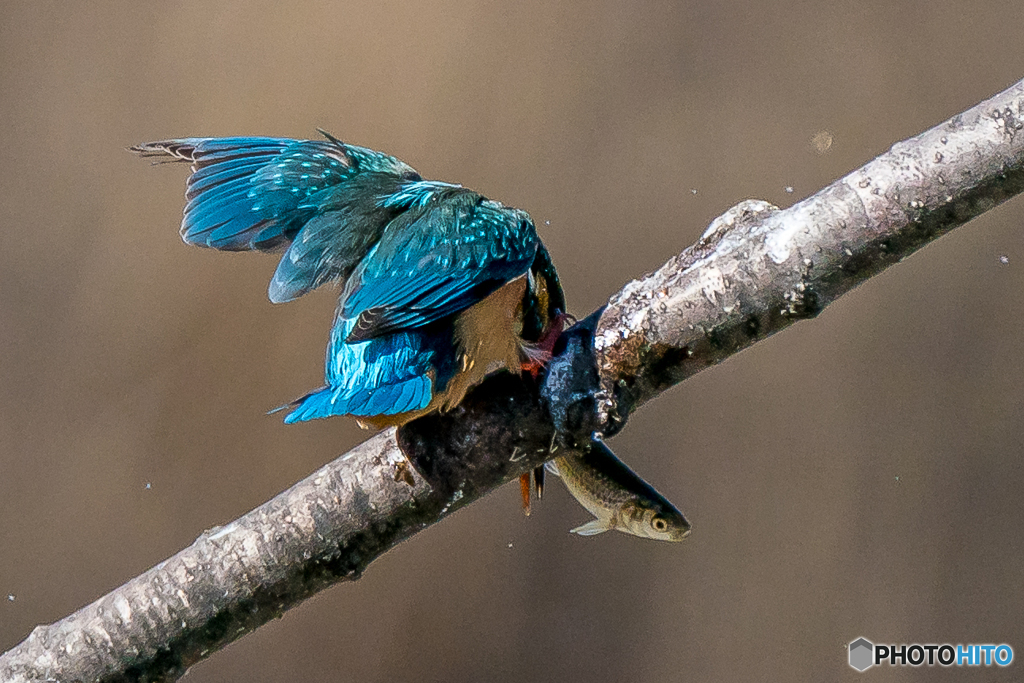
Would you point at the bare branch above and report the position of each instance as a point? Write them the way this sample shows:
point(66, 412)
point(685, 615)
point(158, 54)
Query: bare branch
point(755, 271)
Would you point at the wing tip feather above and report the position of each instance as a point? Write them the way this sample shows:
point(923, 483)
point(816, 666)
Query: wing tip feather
point(180, 149)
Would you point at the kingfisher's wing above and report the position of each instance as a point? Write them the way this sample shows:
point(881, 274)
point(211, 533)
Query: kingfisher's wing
point(447, 249)
point(439, 257)
point(320, 198)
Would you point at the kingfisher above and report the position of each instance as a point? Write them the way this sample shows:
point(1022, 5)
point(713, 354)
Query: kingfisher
point(440, 286)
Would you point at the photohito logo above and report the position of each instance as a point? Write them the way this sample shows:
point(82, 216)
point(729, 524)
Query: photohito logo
point(865, 654)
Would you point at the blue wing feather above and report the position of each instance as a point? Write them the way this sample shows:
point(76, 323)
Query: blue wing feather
point(436, 261)
point(248, 190)
point(263, 193)
point(348, 222)
point(413, 393)
point(413, 253)
point(388, 375)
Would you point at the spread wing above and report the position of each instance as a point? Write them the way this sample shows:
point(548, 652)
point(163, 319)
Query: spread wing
point(255, 193)
point(435, 259)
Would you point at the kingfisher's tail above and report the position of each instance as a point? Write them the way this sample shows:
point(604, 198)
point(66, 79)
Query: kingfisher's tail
point(403, 396)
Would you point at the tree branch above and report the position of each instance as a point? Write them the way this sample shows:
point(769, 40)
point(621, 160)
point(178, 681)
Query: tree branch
point(755, 271)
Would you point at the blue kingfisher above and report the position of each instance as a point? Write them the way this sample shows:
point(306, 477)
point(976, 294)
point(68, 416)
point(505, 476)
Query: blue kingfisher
point(440, 286)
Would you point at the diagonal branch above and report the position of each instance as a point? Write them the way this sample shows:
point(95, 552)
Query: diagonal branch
point(755, 271)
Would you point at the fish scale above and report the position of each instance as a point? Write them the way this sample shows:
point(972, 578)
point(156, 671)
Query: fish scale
point(618, 498)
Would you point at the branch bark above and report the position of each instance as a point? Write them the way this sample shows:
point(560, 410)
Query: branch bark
point(755, 271)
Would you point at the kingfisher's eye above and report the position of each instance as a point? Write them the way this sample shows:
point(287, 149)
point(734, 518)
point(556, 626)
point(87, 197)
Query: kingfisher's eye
point(659, 524)
point(412, 176)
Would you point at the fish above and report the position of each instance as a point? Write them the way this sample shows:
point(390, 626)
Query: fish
point(618, 498)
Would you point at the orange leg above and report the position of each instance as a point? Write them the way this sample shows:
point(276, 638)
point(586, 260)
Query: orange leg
point(538, 356)
point(525, 488)
point(524, 491)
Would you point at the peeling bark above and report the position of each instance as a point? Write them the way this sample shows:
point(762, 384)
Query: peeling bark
point(755, 271)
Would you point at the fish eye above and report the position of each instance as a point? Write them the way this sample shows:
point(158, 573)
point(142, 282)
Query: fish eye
point(659, 524)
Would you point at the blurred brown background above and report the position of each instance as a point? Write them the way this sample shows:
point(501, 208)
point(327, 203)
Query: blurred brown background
point(860, 475)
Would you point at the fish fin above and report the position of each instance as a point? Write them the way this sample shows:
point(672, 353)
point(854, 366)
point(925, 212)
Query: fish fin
point(551, 467)
point(591, 528)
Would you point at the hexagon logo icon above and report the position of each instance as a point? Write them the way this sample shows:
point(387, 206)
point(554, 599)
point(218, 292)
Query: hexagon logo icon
point(862, 653)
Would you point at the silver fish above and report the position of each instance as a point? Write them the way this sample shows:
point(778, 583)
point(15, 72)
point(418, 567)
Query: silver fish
point(617, 496)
